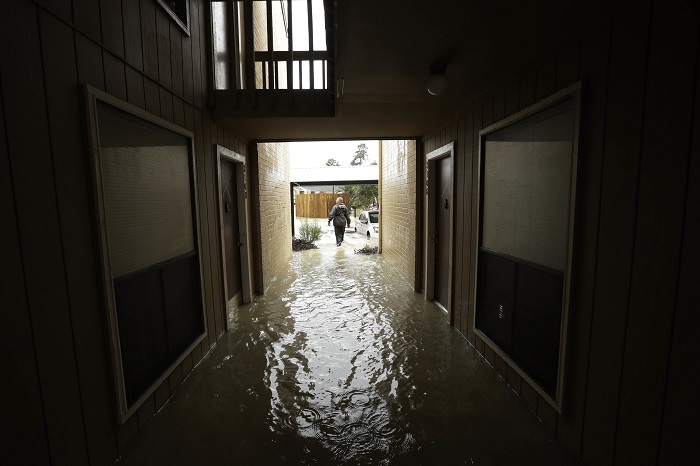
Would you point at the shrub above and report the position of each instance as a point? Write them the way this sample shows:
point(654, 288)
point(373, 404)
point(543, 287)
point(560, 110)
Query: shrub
point(310, 232)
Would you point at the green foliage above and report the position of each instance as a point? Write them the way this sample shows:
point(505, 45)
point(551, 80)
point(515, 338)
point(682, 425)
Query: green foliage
point(332, 163)
point(361, 195)
point(360, 155)
point(310, 232)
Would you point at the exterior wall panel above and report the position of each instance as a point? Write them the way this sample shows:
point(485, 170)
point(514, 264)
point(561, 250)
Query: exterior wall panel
point(398, 205)
point(130, 49)
point(630, 218)
point(275, 205)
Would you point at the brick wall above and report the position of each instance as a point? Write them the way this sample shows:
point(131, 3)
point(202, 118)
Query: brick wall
point(275, 208)
point(398, 205)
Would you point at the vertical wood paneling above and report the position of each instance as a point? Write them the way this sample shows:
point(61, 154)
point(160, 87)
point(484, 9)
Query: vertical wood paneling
point(166, 104)
point(178, 112)
point(419, 230)
point(594, 67)
point(205, 51)
point(112, 27)
point(28, 144)
point(162, 394)
point(133, 47)
point(467, 221)
point(201, 143)
point(547, 414)
point(25, 436)
point(115, 76)
point(500, 365)
point(680, 427)
point(176, 56)
point(59, 364)
point(499, 103)
point(134, 87)
point(528, 88)
point(86, 15)
point(659, 230)
point(175, 379)
point(528, 395)
point(165, 76)
point(126, 432)
point(624, 111)
point(149, 38)
point(214, 241)
point(60, 8)
point(458, 218)
point(152, 96)
point(514, 380)
point(187, 78)
point(568, 66)
point(89, 57)
point(186, 366)
point(189, 117)
point(480, 347)
point(476, 127)
point(487, 111)
point(146, 411)
point(197, 353)
point(204, 347)
point(546, 80)
point(512, 86)
point(74, 208)
point(196, 55)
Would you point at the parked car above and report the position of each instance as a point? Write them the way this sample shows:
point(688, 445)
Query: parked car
point(368, 223)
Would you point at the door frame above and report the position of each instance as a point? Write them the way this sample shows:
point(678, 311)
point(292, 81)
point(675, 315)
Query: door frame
point(239, 161)
point(445, 152)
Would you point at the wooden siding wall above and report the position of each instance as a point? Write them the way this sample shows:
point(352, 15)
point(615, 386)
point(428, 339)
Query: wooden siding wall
point(633, 318)
point(59, 398)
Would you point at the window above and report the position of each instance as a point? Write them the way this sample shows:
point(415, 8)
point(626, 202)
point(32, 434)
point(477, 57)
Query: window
point(179, 10)
point(270, 45)
point(145, 196)
point(527, 197)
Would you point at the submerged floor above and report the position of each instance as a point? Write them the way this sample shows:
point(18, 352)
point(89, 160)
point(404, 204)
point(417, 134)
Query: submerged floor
point(341, 363)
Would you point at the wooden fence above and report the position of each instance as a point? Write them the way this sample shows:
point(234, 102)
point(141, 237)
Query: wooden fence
point(317, 205)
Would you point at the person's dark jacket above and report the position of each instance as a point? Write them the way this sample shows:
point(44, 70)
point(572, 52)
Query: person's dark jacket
point(339, 215)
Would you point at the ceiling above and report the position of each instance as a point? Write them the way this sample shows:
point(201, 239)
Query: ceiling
point(385, 49)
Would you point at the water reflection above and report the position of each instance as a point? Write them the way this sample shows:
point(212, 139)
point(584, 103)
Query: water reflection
point(341, 363)
point(336, 354)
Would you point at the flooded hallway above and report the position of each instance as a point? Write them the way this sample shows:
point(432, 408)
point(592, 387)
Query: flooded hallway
point(342, 363)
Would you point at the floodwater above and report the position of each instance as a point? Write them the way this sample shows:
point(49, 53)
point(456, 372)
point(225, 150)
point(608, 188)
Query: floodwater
point(341, 363)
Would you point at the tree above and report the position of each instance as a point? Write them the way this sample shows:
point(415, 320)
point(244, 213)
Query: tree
point(361, 195)
point(332, 163)
point(360, 155)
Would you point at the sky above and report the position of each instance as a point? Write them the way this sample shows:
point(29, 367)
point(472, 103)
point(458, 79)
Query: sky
point(313, 154)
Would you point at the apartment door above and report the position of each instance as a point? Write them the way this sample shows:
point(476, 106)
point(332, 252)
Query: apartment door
point(231, 224)
point(442, 209)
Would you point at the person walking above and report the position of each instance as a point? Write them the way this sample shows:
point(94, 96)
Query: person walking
point(341, 218)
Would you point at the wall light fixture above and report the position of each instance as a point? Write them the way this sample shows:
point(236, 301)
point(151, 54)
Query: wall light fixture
point(437, 83)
